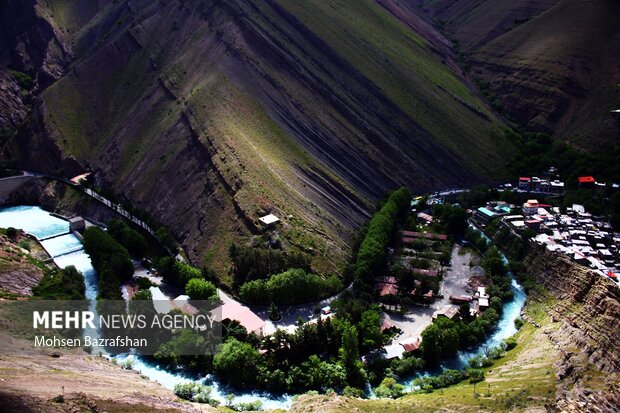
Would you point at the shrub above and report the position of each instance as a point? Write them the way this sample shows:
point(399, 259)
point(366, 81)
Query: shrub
point(66, 284)
point(389, 388)
point(23, 79)
point(11, 232)
point(510, 343)
point(24, 243)
point(518, 323)
point(249, 406)
point(353, 392)
point(178, 273)
point(195, 392)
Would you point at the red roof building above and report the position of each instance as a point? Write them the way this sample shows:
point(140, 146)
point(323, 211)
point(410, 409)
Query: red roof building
point(232, 310)
point(411, 345)
point(386, 289)
point(586, 179)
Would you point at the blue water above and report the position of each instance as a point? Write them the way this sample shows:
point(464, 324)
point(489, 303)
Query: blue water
point(62, 245)
point(33, 220)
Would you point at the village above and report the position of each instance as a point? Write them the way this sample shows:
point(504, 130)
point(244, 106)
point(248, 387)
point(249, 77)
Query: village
point(587, 239)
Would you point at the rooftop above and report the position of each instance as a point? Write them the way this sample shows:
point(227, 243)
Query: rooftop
point(486, 211)
point(586, 179)
point(269, 219)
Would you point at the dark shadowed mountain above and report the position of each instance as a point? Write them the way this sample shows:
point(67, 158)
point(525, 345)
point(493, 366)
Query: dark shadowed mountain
point(552, 65)
point(207, 114)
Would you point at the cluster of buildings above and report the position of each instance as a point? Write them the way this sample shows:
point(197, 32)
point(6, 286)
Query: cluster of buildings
point(537, 184)
point(492, 210)
point(587, 239)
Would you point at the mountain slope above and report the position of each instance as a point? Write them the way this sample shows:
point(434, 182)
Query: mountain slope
point(552, 64)
point(200, 112)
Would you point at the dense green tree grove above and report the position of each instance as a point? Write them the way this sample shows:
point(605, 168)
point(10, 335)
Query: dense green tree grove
point(380, 230)
point(290, 287)
point(128, 237)
point(111, 261)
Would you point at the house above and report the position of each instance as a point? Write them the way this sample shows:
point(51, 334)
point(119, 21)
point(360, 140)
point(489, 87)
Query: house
point(269, 220)
point(484, 215)
point(450, 311)
point(386, 289)
point(533, 224)
point(530, 207)
point(80, 179)
point(232, 310)
point(557, 187)
point(161, 303)
point(586, 182)
point(525, 183)
point(410, 236)
point(411, 344)
point(425, 217)
point(460, 299)
point(386, 325)
point(393, 350)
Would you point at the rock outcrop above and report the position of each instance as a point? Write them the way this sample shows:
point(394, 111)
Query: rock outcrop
point(17, 274)
point(12, 108)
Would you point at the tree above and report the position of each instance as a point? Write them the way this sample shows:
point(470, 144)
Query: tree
point(199, 289)
point(11, 232)
point(349, 357)
point(237, 363)
point(65, 284)
point(274, 314)
point(370, 329)
point(128, 237)
point(431, 349)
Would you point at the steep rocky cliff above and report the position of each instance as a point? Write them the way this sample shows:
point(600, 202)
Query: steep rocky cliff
point(586, 312)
